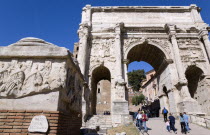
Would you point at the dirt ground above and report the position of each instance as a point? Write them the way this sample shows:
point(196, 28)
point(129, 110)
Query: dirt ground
point(129, 129)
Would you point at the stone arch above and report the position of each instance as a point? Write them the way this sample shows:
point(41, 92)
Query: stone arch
point(97, 74)
point(145, 41)
point(92, 68)
point(194, 75)
point(145, 47)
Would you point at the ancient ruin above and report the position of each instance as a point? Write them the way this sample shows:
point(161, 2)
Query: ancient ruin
point(41, 80)
point(174, 40)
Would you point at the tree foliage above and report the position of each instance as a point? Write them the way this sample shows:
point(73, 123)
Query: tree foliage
point(136, 100)
point(135, 78)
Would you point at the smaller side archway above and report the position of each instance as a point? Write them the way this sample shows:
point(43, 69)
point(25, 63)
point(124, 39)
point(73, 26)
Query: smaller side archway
point(165, 98)
point(194, 76)
point(98, 74)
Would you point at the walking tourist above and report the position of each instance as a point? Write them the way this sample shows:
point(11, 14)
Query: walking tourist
point(172, 122)
point(144, 120)
point(139, 119)
point(182, 122)
point(168, 126)
point(186, 119)
point(165, 113)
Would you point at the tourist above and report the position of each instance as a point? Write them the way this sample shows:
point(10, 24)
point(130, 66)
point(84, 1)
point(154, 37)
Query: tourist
point(139, 119)
point(182, 122)
point(172, 122)
point(168, 125)
point(144, 120)
point(134, 115)
point(186, 119)
point(165, 113)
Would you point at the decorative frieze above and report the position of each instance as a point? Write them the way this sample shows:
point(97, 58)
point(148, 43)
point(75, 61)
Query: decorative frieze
point(20, 78)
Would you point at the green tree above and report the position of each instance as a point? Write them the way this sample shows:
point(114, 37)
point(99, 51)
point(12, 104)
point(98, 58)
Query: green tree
point(135, 78)
point(136, 100)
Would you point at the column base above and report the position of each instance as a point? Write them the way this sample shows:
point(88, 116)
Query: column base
point(189, 105)
point(120, 113)
point(120, 107)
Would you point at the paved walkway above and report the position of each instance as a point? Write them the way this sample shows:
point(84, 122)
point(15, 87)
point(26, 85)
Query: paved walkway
point(157, 127)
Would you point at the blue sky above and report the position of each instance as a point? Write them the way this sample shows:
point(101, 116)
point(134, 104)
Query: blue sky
point(57, 21)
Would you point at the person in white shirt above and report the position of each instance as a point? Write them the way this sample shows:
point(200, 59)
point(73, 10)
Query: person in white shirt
point(168, 125)
point(139, 119)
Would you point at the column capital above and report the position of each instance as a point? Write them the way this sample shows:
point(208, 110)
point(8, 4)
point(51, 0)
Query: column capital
point(126, 61)
point(171, 29)
point(83, 29)
point(203, 33)
point(119, 27)
point(120, 82)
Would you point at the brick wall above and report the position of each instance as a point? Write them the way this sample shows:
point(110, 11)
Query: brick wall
point(16, 122)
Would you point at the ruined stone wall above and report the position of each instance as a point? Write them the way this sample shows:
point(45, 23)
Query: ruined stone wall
point(38, 77)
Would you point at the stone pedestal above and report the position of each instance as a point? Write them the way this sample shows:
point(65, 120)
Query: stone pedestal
point(189, 106)
point(120, 107)
point(120, 113)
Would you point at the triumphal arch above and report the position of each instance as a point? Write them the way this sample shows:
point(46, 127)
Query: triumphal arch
point(173, 39)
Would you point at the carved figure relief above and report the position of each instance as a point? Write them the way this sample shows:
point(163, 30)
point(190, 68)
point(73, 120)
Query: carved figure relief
point(12, 85)
point(101, 48)
point(22, 78)
point(190, 50)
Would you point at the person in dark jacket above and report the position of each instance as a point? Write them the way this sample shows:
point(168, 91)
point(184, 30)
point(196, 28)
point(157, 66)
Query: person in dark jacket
point(172, 122)
point(165, 113)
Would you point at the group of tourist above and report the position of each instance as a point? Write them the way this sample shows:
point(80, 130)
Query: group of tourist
point(141, 119)
point(170, 122)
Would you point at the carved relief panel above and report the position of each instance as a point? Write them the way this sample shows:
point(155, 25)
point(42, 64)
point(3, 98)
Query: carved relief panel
point(190, 50)
point(102, 50)
point(20, 78)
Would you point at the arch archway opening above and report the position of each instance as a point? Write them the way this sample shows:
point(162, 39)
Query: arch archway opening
point(155, 59)
point(165, 98)
point(100, 89)
point(165, 91)
point(194, 76)
point(148, 53)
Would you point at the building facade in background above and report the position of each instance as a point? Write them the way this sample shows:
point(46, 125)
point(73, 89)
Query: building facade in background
point(149, 86)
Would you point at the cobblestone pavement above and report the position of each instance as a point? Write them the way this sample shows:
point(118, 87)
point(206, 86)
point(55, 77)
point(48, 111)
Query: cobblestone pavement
point(157, 127)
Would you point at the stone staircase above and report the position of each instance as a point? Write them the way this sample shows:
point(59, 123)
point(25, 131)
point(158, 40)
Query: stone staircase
point(100, 123)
